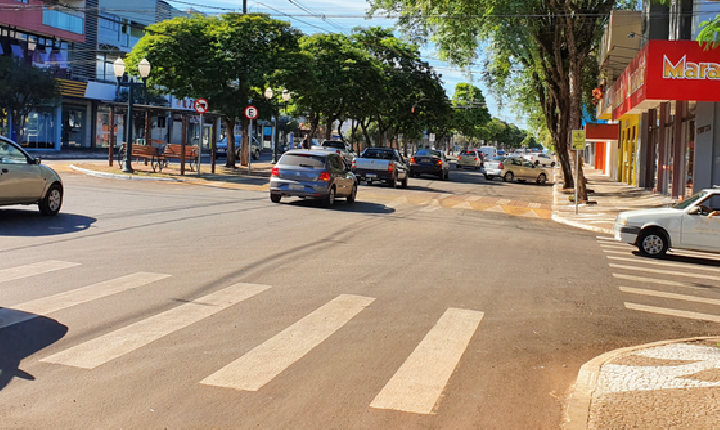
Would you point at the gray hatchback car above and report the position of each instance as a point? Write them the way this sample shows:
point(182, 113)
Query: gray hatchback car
point(314, 174)
point(24, 181)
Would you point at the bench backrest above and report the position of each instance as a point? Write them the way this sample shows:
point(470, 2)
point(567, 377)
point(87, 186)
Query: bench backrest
point(176, 150)
point(141, 149)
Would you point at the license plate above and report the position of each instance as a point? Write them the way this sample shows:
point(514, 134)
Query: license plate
point(297, 187)
point(425, 160)
point(371, 175)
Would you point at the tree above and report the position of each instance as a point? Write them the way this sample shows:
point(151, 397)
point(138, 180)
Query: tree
point(24, 88)
point(227, 59)
point(471, 110)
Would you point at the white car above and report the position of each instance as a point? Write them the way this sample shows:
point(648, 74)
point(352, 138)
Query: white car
point(24, 181)
point(540, 159)
point(692, 224)
point(523, 170)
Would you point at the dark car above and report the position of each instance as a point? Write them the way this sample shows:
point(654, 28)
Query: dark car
point(315, 174)
point(429, 162)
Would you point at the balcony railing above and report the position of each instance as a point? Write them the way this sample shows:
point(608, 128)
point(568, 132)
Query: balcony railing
point(63, 21)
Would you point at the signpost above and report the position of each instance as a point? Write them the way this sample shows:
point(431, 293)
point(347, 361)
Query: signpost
point(578, 144)
point(201, 106)
point(251, 113)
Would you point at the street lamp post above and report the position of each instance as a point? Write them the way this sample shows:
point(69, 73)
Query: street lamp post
point(124, 81)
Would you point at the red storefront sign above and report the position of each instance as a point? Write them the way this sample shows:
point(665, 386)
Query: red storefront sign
point(668, 70)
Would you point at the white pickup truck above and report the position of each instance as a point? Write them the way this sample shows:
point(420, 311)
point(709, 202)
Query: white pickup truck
point(382, 165)
point(339, 147)
point(692, 224)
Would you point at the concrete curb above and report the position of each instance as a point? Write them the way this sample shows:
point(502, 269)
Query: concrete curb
point(578, 405)
point(114, 176)
point(557, 218)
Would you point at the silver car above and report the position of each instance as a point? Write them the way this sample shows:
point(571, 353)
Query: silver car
point(24, 181)
point(315, 174)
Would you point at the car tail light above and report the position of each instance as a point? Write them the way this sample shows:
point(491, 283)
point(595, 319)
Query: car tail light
point(439, 161)
point(275, 172)
point(476, 159)
point(390, 166)
point(500, 166)
point(324, 176)
point(412, 160)
point(338, 152)
point(354, 164)
point(459, 156)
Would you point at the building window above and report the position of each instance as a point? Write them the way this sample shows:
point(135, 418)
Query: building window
point(22, 1)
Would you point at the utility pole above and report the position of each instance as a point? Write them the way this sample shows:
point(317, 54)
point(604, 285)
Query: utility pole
point(244, 7)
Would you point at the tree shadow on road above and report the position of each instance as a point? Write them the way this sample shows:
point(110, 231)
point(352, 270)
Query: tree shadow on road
point(19, 222)
point(22, 340)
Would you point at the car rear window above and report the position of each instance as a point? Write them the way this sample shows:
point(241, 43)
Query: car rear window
point(378, 154)
point(499, 158)
point(303, 160)
point(429, 152)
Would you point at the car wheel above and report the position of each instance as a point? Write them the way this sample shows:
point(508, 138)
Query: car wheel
point(552, 164)
point(652, 243)
point(508, 177)
point(394, 182)
point(477, 167)
point(536, 163)
point(50, 204)
point(368, 182)
point(541, 179)
point(351, 198)
point(404, 182)
point(330, 199)
point(275, 198)
point(457, 165)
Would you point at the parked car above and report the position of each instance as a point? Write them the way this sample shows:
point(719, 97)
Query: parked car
point(494, 168)
point(540, 159)
point(24, 181)
point(308, 173)
point(383, 165)
point(523, 170)
point(430, 162)
point(342, 147)
point(222, 147)
point(489, 152)
point(692, 224)
point(470, 158)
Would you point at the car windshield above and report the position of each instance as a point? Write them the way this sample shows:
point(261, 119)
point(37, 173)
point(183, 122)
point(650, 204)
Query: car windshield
point(303, 160)
point(429, 152)
point(689, 201)
point(378, 154)
point(334, 144)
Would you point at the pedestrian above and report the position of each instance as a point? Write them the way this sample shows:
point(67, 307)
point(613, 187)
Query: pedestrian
point(305, 143)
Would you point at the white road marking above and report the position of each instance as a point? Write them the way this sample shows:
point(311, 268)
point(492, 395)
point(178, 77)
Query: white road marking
point(9, 317)
point(530, 214)
point(259, 366)
point(420, 381)
point(674, 296)
point(33, 269)
point(432, 207)
point(495, 209)
point(667, 272)
point(473, 198)
point(78, 296)
point(616, 252)
point(653, 280)
point(100, 350)
point(617, 246)
point(397, 202)
point(463, 205)
point(688, 266)
point(503, 201)
point(673, 312)
point(534, 205)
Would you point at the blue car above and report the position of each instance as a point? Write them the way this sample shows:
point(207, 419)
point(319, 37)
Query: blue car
point(222, 147)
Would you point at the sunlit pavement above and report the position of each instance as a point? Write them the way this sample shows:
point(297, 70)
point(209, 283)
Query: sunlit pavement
point(149, 304)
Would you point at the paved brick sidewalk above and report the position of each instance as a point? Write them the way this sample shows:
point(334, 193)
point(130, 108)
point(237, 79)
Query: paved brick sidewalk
point(659, 385)
point(611, 198)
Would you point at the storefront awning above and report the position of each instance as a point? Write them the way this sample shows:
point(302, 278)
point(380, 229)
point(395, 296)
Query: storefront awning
point(601, 132)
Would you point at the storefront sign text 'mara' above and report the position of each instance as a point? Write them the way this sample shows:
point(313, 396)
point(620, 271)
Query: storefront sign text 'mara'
point(684, 69)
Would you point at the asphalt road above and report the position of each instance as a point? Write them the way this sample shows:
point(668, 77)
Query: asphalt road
point(148, 305)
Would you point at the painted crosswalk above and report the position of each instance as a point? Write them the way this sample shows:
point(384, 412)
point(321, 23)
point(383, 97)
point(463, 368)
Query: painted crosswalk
point(34, 269)
point(687, 279)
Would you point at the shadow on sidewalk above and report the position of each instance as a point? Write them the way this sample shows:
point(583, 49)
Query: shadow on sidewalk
point(19, 222)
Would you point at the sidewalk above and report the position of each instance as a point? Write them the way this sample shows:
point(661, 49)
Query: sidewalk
point(611, 198)
point(658, 385)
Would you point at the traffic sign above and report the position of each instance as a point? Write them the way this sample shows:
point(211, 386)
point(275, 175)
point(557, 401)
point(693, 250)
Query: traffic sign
point(251, 112)
point(578, 140)
point(201, 106)
point(432, 137)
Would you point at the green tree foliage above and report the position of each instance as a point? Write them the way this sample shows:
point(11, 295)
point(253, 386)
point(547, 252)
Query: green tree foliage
point(471, 113)
point(24, 88)
point(227, 59)
point(709, 36)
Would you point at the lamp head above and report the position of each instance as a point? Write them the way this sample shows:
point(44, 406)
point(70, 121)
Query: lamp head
point(268, 93)
point(119, 67)
point(286, 95)
point(144, 68)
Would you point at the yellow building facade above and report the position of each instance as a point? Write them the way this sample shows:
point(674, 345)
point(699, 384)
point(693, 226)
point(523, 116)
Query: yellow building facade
point(627, 149)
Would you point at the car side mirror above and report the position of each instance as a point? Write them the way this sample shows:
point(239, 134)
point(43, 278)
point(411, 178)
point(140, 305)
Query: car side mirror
point(36, 160)
point(694, 211)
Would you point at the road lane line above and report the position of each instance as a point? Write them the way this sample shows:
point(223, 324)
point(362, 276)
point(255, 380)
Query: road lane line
point(674, 296)
point(672, 312)
point(259, 366)
point(33, 269)
point(56, 302)
point(642, 260)
point(9, 317)
point(420, 381)
point(667, 272)
point(100, 350)
point(654, 280)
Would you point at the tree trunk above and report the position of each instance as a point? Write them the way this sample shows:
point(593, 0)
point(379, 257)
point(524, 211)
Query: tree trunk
point(328, 128)
point(246, 139)
point(314, 120)
point(339, 129)
point(365, 134)
point(575, 74)
point(230, 128)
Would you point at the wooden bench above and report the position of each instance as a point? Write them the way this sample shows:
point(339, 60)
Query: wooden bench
point(147, 153)
point(175, 152)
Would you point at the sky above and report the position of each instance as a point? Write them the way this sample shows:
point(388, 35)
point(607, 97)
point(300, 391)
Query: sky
point(342, 16)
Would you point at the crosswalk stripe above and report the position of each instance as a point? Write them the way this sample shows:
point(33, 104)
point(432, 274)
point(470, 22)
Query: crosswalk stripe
point(664, 295)
point(667, 272)
point(259, 366)
point(665, 263)
point(33, 269)
point(78, 296)
point(420, 381)
point(100, 350)
point(653, 280)
point(672, 312)
point(9, 317)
